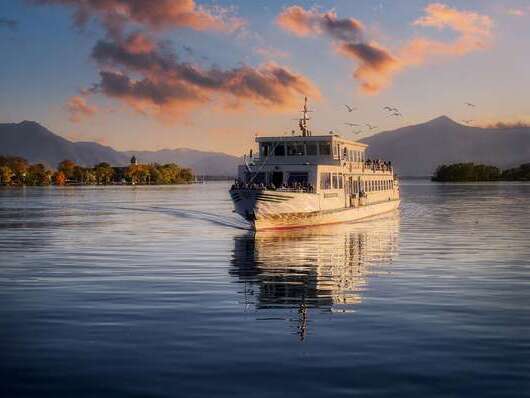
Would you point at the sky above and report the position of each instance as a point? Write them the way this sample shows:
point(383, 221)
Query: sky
point(211, 75)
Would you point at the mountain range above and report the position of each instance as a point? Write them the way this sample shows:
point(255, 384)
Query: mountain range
point(37, 144)
point(414, 150)
point(419, 149)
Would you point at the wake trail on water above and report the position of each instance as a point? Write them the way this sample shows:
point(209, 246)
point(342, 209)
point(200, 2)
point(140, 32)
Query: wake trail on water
point(183, 213)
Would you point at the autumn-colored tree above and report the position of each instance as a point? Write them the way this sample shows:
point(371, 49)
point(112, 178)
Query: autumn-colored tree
point(67, 166)
point(104, 173)
point(37, 175)
point(6, 175)
point(18, 166)
point(138, 174)
point(59, 178)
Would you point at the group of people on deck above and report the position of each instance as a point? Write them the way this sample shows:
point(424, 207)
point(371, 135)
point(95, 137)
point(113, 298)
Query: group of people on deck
point(378, 164)
point(295, 186)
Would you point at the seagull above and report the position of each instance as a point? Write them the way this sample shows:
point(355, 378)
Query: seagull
point(396, 113)
point(467, 121)
point(388, 108)
point(352, 124)
point(370, 126)
point(470, 104)
point(349, 108)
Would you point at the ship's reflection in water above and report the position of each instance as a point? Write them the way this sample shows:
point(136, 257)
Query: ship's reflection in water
point(325, 268)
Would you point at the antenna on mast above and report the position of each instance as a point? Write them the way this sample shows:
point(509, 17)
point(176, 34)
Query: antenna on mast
point(302, 123)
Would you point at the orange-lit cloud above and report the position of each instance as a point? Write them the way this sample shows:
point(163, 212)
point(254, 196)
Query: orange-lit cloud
point(147, 75)
point(153, 81)
point(154, 14)
point(378, 65)
point(79, 109)
point(301, 22)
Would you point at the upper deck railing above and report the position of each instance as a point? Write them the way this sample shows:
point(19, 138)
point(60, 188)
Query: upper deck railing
point(295, 187)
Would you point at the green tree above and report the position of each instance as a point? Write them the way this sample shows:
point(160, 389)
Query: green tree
point(461, 172)
point(104, 173)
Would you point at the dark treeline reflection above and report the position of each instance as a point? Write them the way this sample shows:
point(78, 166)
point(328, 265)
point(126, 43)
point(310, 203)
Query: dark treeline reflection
point(325, 267)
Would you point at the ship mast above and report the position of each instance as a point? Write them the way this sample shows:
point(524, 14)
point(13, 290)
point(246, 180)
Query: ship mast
point(304, 120)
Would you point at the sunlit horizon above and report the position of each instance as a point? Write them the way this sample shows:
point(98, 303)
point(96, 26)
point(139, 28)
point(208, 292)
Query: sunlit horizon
point(211, 75)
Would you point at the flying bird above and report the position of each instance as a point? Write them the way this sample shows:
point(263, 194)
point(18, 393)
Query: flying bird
point(370, 126)
point(349, 108)
point(470, 104)
point(355, 132)
point(352, 124)
point(388, 108)
point(467, 121)
point(396, 113)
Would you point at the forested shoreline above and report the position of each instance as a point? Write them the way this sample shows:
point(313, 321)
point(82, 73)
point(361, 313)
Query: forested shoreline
point(470, 172)
point(17, 171)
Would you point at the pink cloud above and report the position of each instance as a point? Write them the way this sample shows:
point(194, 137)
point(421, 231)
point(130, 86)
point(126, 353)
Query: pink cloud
point(79, 109)
point(153, 14)
point(378, 65)
point(155, 82)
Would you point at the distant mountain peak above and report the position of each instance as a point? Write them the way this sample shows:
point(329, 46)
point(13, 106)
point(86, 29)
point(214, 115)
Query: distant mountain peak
point(442, 120)
point(30, 123)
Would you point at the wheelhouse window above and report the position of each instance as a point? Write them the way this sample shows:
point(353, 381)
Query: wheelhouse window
point(295, 149)
point(325, 180)
point(324, 148)
point(311, 148)
point(279, 149)
point(265, 149)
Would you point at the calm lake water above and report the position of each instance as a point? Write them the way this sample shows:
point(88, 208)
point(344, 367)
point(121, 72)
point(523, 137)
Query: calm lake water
point(162, 292)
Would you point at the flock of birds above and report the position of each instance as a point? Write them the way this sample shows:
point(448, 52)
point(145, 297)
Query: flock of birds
point(392, 111)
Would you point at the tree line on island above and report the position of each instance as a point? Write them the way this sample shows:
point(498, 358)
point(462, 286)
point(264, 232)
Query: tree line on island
point(469, 172)
point(17, 171)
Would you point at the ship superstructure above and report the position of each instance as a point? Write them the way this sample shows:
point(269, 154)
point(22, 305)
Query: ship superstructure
point(307, 179)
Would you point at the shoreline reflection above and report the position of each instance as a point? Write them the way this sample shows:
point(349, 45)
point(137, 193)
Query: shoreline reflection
point(324, 267)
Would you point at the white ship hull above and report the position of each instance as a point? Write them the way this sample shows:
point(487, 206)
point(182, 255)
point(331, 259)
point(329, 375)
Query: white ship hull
point(267, 210)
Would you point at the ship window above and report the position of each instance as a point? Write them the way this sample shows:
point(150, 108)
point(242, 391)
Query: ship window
point(311, 148)
point(324, 148)
point(295, 149)
point(340, 181)
point(297, 177)
point(279, 149)
point(335, 150)
point(346, 153)
point(265, 149)
point(335, 180)
point(325, 180)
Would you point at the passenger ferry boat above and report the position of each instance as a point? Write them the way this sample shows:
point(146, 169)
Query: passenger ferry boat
point(304, 180)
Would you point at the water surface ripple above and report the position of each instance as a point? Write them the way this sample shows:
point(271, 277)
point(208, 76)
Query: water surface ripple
point(164, 292)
